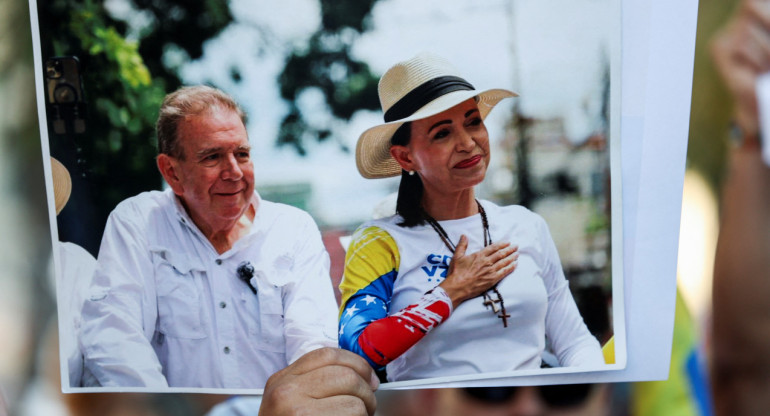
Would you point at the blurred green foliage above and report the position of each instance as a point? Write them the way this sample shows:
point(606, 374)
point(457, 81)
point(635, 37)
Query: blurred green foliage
point(97, 39)
point(711, 110)
point(124, 81)
point(126, 70)
point(20, 134)
point(325, 63)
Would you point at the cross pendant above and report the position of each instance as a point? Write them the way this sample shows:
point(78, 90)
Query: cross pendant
point(504, 317)
point(492, 303)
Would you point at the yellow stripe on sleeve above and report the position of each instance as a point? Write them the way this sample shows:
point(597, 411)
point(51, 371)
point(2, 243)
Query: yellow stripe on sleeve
point(372, 253)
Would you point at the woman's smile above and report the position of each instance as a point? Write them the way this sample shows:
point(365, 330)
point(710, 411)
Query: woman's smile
point(469, 162)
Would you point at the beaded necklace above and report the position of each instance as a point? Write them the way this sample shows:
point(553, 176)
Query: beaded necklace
point(487, 296)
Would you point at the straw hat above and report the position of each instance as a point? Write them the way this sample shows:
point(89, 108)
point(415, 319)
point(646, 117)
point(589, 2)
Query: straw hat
point(411, 90)
point(62, 184)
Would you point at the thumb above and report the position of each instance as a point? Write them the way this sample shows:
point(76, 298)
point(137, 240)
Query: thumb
point(462, 246)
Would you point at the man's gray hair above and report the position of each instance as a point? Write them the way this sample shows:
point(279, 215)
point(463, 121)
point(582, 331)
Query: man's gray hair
point(186, 102)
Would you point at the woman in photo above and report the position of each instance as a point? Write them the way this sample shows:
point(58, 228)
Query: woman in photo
point(450, 285)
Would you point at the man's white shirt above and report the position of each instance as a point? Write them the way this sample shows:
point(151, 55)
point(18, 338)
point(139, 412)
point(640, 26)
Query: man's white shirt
point(165, 309)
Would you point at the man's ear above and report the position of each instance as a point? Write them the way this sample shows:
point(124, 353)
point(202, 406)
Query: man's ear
point(167, 166)
point(403, 156)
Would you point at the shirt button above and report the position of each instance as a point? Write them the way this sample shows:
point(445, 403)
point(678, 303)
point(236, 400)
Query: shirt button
point(219, 261)
point(227, 350)
point(222, 305)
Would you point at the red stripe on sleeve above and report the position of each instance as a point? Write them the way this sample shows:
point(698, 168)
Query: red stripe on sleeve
point(386, 339)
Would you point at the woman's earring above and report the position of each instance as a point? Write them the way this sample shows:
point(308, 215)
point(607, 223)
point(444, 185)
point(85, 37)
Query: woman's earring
point(411, 173)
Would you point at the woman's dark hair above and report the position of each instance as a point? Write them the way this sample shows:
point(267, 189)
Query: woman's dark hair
point(408, 204)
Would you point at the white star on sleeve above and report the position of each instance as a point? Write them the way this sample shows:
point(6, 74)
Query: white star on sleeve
point(342, 329)
point(369, 299)
point(351, 310)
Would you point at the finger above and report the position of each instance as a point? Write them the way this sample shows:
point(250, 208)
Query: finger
point(504, 267)
point(462, 246)
point(739, 74)
point(494, 248)
point(722, 50)
point(757, 10)
point(752, 47)
point(343, 406)
point(506, 264)
point(499, 255)
point(506, 251)
point(332, 356)
point(512, 257)
point(331, 381)
point(508, 269)
point(760, 35)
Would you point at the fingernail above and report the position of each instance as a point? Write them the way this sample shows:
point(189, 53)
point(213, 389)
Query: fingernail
point(374, 381)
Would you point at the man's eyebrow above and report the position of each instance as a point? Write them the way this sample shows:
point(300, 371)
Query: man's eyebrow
point(471, 111)
point(208, 150)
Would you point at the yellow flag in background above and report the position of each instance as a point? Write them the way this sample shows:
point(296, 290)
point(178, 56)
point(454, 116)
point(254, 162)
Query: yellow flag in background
point(686, 392)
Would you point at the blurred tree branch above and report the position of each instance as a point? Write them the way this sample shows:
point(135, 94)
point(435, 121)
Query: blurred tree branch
point(326, 64)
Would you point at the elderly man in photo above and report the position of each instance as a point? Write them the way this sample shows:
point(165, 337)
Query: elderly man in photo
point(205, 284)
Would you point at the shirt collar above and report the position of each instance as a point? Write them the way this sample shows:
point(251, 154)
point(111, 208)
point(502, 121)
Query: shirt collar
point(185, 220)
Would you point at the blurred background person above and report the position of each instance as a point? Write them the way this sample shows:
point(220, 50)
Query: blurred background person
point(741, 332)
point(567, 400)
point(77, 268)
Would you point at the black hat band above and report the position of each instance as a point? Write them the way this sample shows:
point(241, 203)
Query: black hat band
point(425, 93)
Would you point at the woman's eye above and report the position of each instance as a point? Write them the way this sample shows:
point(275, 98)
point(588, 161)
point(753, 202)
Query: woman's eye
point(441, 134)
point(476, 121)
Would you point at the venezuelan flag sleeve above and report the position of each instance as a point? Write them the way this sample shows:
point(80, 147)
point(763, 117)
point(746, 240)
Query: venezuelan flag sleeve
point(371, 268)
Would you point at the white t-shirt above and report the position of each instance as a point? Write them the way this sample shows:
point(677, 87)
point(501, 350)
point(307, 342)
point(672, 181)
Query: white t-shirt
point(473, 340)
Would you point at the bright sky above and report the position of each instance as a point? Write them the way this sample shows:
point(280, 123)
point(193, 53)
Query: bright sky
point(550, 52)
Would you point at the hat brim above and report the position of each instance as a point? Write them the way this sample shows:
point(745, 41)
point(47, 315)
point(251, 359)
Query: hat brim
point(62, 185)
point(373, 157)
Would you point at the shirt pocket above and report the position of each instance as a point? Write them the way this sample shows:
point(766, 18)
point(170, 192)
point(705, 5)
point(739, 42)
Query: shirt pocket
point(270, 335)
point(179, 303)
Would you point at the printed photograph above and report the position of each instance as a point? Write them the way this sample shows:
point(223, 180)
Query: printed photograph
point(433, 186)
